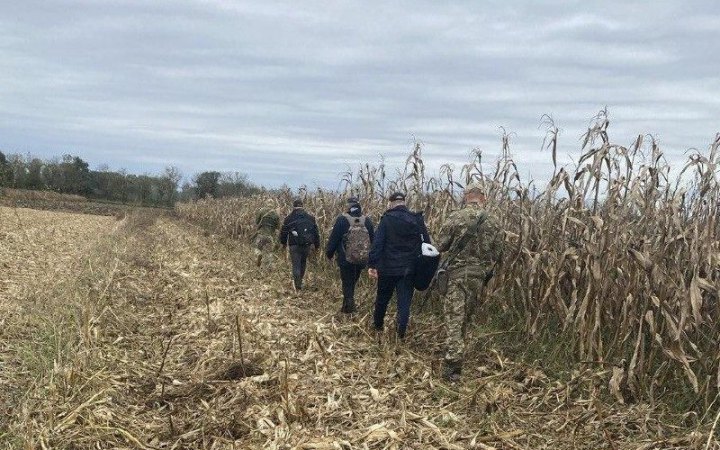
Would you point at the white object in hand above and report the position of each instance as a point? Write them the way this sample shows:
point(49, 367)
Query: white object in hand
point(429, 250)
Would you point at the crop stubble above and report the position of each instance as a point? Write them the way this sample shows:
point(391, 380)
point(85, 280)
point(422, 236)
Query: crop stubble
point(151, 358)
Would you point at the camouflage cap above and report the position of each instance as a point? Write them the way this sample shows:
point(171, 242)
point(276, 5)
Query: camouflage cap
point(475, 186)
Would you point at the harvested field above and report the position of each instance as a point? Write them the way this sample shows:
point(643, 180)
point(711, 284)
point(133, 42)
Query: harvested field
point(152, 333)
point(37, 247)
point(53, 201)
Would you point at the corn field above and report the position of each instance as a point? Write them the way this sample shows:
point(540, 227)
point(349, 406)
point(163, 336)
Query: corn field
point(617, 256)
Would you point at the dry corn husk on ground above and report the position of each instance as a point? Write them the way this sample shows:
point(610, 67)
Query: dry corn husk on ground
point(157, 334)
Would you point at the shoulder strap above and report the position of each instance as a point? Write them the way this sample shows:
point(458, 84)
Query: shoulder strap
point(460, 244)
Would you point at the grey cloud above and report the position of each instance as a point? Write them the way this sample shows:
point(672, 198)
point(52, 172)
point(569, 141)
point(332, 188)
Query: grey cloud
point(295, 92)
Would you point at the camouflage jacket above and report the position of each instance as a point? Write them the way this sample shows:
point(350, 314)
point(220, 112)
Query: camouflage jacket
point(483, 249)
point(267, 221)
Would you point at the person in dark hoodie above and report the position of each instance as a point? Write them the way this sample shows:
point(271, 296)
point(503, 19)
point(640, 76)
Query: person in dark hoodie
point(393, 256)
point(350, 241)
point(300, 232)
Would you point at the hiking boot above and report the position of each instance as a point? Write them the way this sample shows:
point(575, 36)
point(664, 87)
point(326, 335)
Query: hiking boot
point(452, 371)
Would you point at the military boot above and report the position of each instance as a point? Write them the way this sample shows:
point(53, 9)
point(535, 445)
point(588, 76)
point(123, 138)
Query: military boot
point(452, 370)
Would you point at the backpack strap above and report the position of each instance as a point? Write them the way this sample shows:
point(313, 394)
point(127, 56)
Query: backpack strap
point(352, 219)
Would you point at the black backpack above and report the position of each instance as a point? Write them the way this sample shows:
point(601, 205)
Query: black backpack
point(304, 230)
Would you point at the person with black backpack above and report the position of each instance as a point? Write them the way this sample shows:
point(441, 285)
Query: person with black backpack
point(299, 232)
point(350, 240)
point(394, 255)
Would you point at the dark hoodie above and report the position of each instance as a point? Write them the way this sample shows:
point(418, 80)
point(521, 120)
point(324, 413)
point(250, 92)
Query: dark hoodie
point(297, 215)
point(396, 246)
point(342, 226)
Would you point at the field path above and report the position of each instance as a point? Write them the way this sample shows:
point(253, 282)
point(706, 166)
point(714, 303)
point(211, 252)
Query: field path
point(314, 380)
point(181, 342)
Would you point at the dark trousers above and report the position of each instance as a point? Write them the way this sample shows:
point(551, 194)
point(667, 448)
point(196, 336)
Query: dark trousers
point(403, 287)
point(298, 257)
point(349, 274)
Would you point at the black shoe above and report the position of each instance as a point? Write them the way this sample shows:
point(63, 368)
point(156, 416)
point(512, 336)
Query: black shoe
point(452, 371)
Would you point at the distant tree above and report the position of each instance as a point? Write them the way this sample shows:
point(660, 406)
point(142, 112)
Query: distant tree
point(168, 184)
point(236, 184)
point(78, 174)
point(33, 175)
point(140, 189)
point(207, 184)
point(18, 170)
point(70, 175)
point(5, 171)
point(187, 192)
point(100, 182)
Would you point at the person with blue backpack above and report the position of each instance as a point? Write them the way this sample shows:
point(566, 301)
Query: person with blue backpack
point(300, 233)
point(350, 242)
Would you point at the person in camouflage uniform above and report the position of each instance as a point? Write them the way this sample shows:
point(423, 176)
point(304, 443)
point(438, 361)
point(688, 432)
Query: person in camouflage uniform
point(267, 222)
point(473, 244)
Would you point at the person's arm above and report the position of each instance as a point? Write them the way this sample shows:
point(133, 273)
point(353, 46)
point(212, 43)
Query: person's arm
point(446, 236)
point(378, 245)
point(424, 231)
point(316, 235)
point(370, 228)
point(284, 231)
point(497, 246)
point(334, 239)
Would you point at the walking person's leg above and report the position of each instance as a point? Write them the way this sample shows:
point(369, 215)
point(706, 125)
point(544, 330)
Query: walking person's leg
point(455, 315)
point(356, 271)
point(296, 260)
point(472, 289)
point(385, 288)
point(347, 275)
point(305, 251)
point(404, 290)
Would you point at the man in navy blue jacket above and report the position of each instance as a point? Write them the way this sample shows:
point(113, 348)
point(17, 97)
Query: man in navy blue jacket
point(300, 232)
point(349, 272)
point(393, 256)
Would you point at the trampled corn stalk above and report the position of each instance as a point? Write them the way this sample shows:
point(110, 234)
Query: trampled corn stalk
point(615, 252)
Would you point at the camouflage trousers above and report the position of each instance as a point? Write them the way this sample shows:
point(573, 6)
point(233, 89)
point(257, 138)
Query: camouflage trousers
point(264, 248)
point(458, 307)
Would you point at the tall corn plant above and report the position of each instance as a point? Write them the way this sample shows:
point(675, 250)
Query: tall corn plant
point(614, 253)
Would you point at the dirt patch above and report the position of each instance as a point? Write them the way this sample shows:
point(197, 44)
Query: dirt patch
point(236, 370)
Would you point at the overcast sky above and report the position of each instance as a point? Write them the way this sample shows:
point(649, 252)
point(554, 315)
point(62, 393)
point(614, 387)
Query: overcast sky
point(297, 91)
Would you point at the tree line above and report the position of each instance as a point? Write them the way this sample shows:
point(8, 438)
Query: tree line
point(70, 174)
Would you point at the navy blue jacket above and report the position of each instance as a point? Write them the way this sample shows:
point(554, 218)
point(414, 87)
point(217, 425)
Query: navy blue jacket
point(286, 237)
point(335, 241)
point(397, 242)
